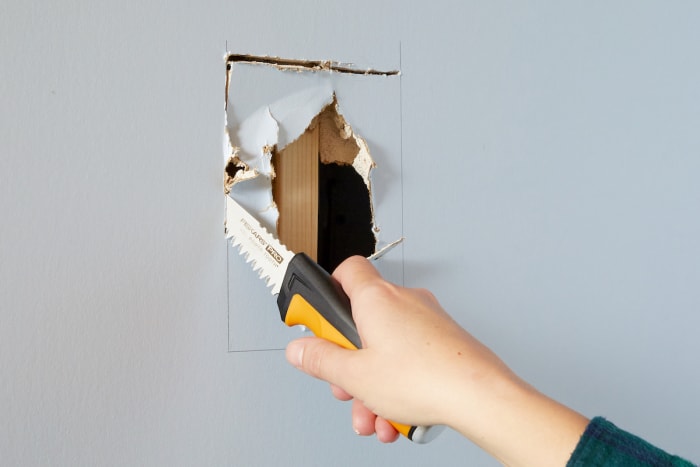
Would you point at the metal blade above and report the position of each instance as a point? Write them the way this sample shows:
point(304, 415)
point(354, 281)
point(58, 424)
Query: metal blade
point(267, 256)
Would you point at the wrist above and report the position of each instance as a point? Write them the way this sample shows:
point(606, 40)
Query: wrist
point(517, 424)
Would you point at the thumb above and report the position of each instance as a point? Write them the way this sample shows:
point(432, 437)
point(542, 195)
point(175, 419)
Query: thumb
point(319, 358)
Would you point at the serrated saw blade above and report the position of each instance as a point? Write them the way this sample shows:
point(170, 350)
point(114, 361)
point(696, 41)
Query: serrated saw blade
point(267, 256)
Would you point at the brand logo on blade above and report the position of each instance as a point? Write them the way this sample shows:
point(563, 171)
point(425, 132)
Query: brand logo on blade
point(254, 233)
point(268, 248)
point(276, 256)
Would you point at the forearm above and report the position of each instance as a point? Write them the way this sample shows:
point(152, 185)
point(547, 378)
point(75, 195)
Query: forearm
point(419, 367)
point(518, 425)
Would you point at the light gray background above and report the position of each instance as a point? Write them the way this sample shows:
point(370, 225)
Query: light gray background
point(550, 162)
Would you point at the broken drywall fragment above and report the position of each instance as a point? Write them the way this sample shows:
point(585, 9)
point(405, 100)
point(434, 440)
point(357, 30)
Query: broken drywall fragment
point(340, 145)
point(385, 249)
point(274, 126)
point(295, 112)
point(236, 171)
point(251, 145)
point(337, 144)
point(255, 138)
point(249, 148)
point(363, 163)
point(252, 142)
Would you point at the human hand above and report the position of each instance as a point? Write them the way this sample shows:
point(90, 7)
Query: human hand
point(417, 366)
point(411, 358)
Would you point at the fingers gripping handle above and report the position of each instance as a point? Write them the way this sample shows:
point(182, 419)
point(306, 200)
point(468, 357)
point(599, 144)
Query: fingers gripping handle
point(311, 297)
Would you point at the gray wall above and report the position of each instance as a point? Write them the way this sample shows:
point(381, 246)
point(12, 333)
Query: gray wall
point(550, 166)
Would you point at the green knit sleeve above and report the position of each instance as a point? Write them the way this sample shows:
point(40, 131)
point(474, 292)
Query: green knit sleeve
point(604, 444)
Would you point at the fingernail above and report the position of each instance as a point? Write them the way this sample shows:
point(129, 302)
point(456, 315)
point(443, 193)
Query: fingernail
point(357, 432)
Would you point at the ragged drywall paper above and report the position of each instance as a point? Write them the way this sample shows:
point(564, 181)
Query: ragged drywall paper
point(267, 108)
point(251, 143)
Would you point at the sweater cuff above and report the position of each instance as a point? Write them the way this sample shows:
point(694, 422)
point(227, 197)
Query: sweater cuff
point(605, 444)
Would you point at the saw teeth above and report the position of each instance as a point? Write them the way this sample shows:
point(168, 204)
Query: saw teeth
point(247, 247)
point(248, 257)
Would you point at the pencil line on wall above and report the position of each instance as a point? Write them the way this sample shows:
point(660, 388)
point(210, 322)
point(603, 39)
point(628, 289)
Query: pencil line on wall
point(228, 298)
point(403, 233)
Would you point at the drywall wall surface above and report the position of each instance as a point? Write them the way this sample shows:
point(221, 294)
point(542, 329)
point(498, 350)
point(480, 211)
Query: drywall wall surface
point(575, 183)
point(550, 201)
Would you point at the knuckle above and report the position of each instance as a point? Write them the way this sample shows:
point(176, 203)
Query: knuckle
point(313, 361)
point(380, 288)
point(427, 295)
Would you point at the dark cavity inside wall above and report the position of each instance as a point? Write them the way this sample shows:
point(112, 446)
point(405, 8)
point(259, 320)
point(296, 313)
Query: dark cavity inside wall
point(324, 203)
point(344, 215)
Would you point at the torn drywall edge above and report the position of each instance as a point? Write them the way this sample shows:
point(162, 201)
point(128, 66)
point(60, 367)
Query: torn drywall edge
point(305, 65)
point(275, 126)
point(249, 151)
point(255, 138)
point(295, 113)
point(381, 130)
point(335, 149)
point(250, 157)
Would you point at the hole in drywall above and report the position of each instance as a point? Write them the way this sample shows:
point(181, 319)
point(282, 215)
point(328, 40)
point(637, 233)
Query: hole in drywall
point(322, 191)
point(233, 167)
point(269, 104)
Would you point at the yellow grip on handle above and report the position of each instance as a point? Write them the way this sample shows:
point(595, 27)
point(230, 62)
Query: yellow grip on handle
point(301, 312)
